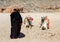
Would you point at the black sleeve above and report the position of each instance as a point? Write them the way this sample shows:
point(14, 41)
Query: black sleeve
point(19, 17)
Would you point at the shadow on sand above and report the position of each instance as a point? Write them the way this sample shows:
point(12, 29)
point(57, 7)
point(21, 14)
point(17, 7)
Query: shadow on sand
point(21, 35)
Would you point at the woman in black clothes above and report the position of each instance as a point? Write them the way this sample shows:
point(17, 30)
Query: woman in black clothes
point(16, 22)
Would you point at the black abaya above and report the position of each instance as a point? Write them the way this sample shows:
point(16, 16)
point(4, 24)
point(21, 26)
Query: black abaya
point(16, 21)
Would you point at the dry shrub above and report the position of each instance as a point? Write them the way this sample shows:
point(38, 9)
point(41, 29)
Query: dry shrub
point(1, 10)
point(10, 9)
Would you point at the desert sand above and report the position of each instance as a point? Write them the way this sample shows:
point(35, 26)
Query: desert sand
point(35, 34)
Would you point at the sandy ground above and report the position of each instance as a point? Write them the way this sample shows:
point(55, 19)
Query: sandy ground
point(35, 34)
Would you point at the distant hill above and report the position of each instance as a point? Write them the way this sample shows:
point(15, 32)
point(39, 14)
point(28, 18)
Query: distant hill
point(31, 5)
